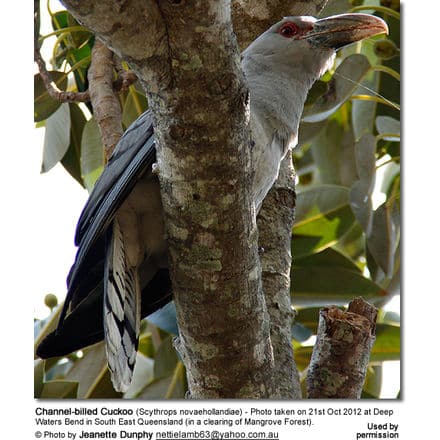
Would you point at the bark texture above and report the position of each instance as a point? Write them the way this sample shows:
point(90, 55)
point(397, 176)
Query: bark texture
point(340, 356)
point(187, 59)
point(275, 223)
point(204, 169)
point(106, 107)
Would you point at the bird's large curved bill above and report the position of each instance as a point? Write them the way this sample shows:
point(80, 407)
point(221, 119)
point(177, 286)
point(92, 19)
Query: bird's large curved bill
point(339, 30)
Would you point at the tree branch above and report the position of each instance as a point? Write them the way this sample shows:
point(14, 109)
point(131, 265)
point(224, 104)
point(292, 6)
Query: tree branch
point(340, 357)
point(56, 94)
point(275, 222)
point(106, 106)
point(121, 84)
point(125, 77)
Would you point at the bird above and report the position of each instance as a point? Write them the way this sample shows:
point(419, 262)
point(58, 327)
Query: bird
point(120, 274)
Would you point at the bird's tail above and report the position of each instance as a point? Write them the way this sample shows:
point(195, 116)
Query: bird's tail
point(121, 311)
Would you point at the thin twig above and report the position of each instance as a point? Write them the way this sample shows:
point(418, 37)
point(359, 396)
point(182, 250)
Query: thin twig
point(121, 84)
point(54, 92)
point(125, 79)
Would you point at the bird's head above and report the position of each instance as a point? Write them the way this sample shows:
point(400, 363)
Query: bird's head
point(310, 44)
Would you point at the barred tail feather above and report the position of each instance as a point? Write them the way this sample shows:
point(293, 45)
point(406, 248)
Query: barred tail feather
point(121, 311)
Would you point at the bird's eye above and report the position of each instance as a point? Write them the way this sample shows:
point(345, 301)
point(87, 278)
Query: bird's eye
point(288, 30)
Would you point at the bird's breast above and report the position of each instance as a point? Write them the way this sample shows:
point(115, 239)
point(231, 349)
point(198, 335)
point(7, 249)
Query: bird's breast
point(141, 220)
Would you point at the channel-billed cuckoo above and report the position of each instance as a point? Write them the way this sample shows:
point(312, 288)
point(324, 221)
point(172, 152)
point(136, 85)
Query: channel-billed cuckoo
point(120, 273)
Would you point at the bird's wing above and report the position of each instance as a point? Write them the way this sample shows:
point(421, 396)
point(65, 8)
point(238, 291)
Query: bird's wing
point(133, 154)
point(132, 157)
point(122, 309)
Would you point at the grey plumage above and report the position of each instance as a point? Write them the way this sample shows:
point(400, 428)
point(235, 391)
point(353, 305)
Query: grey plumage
point(120, 272)
point(121, 310)
point(277, 96)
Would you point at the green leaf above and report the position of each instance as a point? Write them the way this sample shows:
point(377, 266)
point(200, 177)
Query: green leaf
point(323, 216)
point(308, 131)
point(318, 89)
point(103, 388)
point(135, 104)
point(376, 273)
point(361, 204)
point(388, 125)
point(308, 317)
point(365, 154)
point(327, 258)
point(391, 181)
point(391, 317)
point(146, 345)
point(143, 374)
point(78, 38)
point(384, 238)
point(166, 359)
point(60, 19)
point(44, 105)
point(171, 387)
point(304, 166)
point(92, 373)
point(73, 48)
point(59, 389)
point(366, 395)
point(56, 137)
point(92, 154)
point(71, 160)
point(363, 111)
point(389, 87)
point(88, 370)
point(322, 286)
point(347, 157)
point(392, 285)
point(352, 243)
point(373, 381)
point(387, 344)
point(361, 190)
point(57, 368)
point(352, 70)
point(74, 56)
point(38, 377)
point(302, 356)
point(326, 151)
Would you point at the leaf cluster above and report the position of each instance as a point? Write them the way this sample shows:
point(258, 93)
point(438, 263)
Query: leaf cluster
point(346, 236)
point(72, 136)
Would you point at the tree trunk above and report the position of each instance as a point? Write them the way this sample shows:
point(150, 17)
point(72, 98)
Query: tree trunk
point(187, 59)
